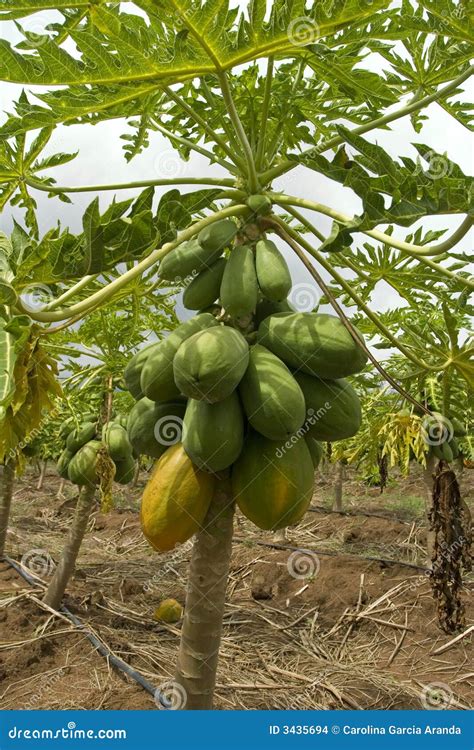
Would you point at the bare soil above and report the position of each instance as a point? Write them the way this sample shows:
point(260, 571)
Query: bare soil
point(340, 627)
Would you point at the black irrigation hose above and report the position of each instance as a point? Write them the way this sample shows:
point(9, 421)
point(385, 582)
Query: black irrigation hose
point(327, 553)
point(103, 650)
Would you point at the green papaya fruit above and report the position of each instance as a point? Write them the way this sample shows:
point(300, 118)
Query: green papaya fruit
point(125, 470)
point(66, 427)
point(63, 463)
point(333, 408)
point(239, 288)
point(134, 367)
point(213, 434)
point(209, 365)
point(79, 437)
point(122, 419)
point(315, 343)
point(157, 380)
point(186, 259)
point(82, 469)
point(272, 399)
point(259, 204)
point(273, 483)
point(447, 452)
point(458, 427)
point(116, 441)
point(205, 287)
point(152, 427)
point(266, 307)
point(316, 450)
point(273, 274)
point(217, 236)
point(437, 451)
point(454, 446)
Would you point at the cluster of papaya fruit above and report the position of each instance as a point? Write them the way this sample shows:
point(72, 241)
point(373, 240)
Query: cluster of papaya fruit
point(450, 428)
point(78, 461)
point(255, 402)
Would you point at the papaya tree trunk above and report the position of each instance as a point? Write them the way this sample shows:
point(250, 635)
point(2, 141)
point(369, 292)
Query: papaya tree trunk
point(8, 479)
point(60, 492)
point(205, 601)
point(338, 484)
point(136, 475)
point(42, 475)
point(428, 478)
point(67, 563)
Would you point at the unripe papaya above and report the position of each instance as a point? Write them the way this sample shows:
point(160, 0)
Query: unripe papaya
point(273, 274)
point(186, 259)
point(176, 500)
point(209, 365)
point(125, 470)
point(454, 446)
point(63, 463)
point(134, 367)
point(79, 437)
point(273, 483)
point(157, 380)
point(82, 469)
point(66, 428)
point(259, 204)
point(239, 288)
point(273, 401)
point(314, 343)
point(152, 427)
point(333, 407)
point(458, 427)
point(217, 236)
point(213, 434)
point(316, 450)
point(205, 287)
point(266, 307)
point(446, 452)
point(116, 441)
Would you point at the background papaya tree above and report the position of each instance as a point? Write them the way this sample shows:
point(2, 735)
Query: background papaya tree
point(259, 91)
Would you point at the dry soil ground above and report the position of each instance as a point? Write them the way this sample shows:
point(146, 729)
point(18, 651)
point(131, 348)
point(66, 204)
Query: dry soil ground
point(329, 630)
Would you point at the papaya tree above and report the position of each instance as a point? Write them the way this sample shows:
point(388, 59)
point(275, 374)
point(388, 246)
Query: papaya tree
point(262, 91)
point(96, 449)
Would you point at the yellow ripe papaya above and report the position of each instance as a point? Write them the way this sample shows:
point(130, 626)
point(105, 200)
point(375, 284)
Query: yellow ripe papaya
point(272, 482)
point(169, 610)
point(175, 501)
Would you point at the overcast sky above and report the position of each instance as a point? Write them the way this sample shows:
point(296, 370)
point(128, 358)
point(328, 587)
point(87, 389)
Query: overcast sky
point(101, 160)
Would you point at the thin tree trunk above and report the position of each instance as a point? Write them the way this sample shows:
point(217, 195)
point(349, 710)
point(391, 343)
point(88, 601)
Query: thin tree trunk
point(136, 476)
point(428, 478)
point(60, 493)
point(205, 601)
point(8, 479)
point(67, 563)
point(337, 504)
point(42, 475)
